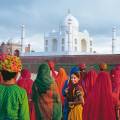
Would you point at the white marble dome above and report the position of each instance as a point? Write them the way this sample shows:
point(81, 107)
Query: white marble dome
point(71, 20)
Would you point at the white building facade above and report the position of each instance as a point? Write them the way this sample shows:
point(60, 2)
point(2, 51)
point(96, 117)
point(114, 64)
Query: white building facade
point(68, 40)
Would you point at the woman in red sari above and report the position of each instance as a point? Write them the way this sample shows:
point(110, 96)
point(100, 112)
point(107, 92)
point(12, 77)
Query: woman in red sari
point(53, 72)
point(115, 77)
point(99, 104)
point(26, 82)
point(90, 81)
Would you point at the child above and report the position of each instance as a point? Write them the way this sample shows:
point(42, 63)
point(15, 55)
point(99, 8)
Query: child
point(74, 94)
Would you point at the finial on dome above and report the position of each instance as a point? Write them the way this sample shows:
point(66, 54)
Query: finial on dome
point(69, 11)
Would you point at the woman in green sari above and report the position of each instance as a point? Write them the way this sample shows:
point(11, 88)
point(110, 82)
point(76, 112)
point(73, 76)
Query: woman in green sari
point(45, 95)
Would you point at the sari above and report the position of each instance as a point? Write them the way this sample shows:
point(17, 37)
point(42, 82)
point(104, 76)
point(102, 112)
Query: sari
point(90, 81)
point(45, 95)
point(75, 111)
point(115, 77)
point(99, 104)
point(60, 80)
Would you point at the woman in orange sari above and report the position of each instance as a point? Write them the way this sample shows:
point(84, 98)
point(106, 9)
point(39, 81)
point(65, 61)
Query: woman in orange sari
point(60, 80)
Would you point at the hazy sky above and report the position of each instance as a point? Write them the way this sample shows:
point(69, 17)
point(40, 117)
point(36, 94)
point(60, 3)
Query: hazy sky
point(39, 16)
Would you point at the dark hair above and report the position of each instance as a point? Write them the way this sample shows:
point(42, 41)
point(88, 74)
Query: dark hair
point(8, 75)
point(77, 74)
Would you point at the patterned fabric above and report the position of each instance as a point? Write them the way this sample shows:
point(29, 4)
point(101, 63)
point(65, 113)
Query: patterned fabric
point(13, 103)
point(75, 110)
point(75, 93)
point(11, 63)
point(45, 95)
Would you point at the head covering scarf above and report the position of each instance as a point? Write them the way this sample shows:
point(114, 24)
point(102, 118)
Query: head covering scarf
point(117, 67)
point(74, 70)
point(82, 66)
point(25, 81)
point(10, 63)
point(103, 66)
point(43, 79)
point(52, 68)
point(90, 81)
point(99, 104)
point(60, 80)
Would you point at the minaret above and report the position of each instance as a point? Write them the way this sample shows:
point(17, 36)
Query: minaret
point(69, 34)
point(69, 12)
point(91, 44)
point(113, 39)
point(22, 36)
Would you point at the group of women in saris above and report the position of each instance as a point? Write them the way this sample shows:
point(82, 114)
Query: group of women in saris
point(97, 93)
point(55, 95)
point(80, 96)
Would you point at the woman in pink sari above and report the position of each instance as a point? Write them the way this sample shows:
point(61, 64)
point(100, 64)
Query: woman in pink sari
point(99, 104)
point(26, 82)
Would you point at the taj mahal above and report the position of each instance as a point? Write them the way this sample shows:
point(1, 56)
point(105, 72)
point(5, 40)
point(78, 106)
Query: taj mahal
point(68, 40)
